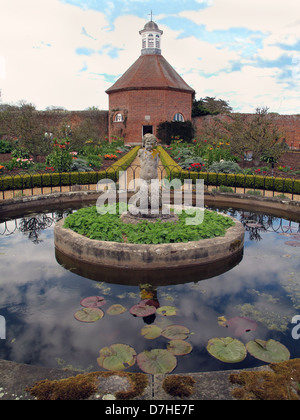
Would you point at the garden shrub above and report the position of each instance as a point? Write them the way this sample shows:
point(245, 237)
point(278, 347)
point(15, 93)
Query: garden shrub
point(22, 182)
point(225, 166)
point(5, 146)
point(283, 185)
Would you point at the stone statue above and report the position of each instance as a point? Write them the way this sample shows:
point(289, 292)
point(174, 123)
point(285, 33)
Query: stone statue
point(147, 200)
point(149, 158)
point(149, 189)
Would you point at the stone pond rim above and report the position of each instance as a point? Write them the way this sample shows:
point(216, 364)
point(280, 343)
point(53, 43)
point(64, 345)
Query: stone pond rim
point(149, 256)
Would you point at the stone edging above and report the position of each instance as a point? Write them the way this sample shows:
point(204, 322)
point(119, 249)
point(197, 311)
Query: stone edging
point(145, 256)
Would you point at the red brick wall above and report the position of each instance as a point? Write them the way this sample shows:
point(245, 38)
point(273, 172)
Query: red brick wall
point(99, 119)
point(145, 107)
point(288, 125)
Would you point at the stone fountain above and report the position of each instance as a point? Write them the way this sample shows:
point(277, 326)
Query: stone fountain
point(148, 194)
point(146, 204)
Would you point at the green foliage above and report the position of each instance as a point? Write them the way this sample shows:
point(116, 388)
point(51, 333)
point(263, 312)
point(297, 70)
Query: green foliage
point(80, 165)
point(5, 146)
point(283, 185)
point(210, 106)
point(60, 158)
point(226, 167)
point(60, 179)
point(223, 188)
point(109, 227)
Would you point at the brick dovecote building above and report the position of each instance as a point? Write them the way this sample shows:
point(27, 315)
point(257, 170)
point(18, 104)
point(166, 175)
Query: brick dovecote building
point(148, 93)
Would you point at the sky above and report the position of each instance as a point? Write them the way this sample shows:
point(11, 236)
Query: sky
point(66, 53)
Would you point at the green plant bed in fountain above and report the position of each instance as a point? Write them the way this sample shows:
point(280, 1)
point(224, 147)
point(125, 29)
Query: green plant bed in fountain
point(103, 240)
point(108, 227)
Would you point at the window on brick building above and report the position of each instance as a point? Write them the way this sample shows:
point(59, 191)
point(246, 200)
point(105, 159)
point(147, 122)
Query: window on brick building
point(178, 117)
point(118, 117)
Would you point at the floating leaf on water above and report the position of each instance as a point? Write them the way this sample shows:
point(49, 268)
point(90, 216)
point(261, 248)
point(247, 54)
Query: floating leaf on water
point(174, 332)
point(144, 308)
point(156, 361)
point(93, 302)
point(151, 331)
point(179, 347)
point(116, 309)
point(228, 349)
point(117, 357)
point(167, 310)
point(89, 314)
point(292, 243)
point(270, 351)
point(222, 321)
point(240, 324)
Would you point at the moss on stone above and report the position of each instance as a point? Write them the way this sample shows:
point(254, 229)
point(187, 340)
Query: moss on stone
point(84, 386)
point(280, 383)
point(179, 385)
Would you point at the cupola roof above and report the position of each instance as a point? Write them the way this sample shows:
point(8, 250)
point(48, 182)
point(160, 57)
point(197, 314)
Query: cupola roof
point(151, 70)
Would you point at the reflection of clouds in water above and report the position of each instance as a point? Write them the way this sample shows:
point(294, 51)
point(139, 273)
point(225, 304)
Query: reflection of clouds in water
point(24, 263)
point(42, 297)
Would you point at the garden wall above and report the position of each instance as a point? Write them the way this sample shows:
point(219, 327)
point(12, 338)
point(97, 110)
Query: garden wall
point(288, 125)
point(99, 119)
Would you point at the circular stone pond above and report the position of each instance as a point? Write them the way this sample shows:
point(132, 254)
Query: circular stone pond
point(253, 297)
point(148, 256)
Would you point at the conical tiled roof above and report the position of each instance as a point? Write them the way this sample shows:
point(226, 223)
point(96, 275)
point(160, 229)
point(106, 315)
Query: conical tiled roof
point(150, 71)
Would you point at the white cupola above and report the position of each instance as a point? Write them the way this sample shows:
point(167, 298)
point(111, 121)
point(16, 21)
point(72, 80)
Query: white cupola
point(151, 38)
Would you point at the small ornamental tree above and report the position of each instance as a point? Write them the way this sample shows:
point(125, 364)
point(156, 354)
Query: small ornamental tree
point(257, 133)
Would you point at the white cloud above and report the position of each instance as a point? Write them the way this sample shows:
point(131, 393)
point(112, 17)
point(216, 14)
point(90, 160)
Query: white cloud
point(39, 63)
point(39, 49)
point(257, 15)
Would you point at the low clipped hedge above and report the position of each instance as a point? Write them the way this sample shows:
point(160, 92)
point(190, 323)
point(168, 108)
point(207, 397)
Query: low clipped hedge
point(283, 185)
point(43, 180)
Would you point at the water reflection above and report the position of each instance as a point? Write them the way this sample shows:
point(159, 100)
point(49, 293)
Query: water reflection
point(155, 277)
point(39, 297)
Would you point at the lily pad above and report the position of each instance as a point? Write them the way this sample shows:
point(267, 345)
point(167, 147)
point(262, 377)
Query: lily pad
point(175, 332)
point(156, 361)
point(270, 351)
point(240, 325)
point(117, 357)
point(89, 314)
point(222, 321)
point(167, 310)
point(179, 347)
point(151, 331)
point(144, 308)
point(116, 309)
point(228, 349)
point(93, 302)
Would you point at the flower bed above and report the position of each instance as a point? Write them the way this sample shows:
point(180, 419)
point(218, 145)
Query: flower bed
point(55, 179)
point(284, 185)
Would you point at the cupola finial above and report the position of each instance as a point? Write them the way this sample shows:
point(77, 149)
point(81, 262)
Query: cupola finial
point(151, 38)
